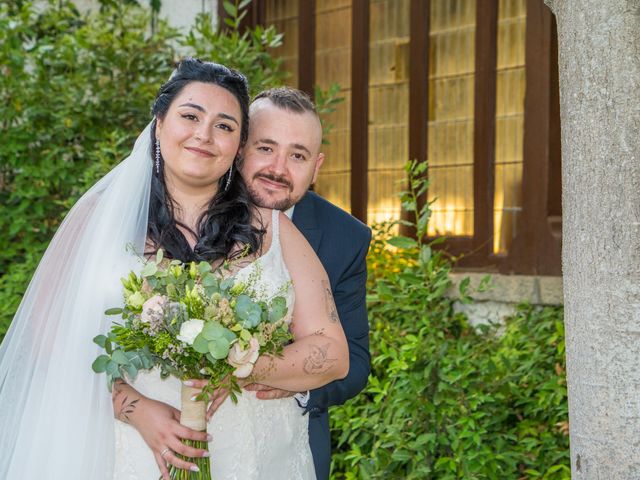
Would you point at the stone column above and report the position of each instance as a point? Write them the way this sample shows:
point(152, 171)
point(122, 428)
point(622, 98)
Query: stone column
point(599, 60)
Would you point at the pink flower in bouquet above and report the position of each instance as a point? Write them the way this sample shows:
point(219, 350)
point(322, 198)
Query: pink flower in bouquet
point(153, 312)
point(243, 359)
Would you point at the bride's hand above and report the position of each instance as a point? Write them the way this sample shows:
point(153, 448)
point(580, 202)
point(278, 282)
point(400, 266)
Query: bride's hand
point(218, 397)
point(159, 425)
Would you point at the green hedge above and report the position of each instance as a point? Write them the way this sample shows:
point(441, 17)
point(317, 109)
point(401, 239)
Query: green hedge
point(447, 400)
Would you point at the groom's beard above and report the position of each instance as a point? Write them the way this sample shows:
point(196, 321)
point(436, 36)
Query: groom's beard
point(278, 200)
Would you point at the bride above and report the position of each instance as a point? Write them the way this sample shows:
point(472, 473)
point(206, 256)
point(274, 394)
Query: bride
point(176, 191)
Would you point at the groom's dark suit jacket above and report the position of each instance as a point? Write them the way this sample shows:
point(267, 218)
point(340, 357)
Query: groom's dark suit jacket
point(341, 242)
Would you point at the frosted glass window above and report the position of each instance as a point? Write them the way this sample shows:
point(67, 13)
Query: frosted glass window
point(451, 107)
point(388, 106)
point(283, 14)
point(507, 206)
point(333, 64)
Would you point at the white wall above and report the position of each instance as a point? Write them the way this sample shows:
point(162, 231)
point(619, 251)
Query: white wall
point(179, 13)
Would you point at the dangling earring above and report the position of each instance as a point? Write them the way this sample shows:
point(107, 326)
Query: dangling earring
point(157, 156)
point(229, 175)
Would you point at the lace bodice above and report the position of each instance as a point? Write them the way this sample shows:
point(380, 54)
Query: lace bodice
point(253, 439)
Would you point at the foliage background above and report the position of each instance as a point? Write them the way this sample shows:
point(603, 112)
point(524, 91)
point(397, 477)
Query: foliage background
point(445, 399)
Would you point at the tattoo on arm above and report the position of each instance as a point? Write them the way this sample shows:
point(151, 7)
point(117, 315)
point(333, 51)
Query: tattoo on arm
point(318, 362)
point(125, 407)
point(330, 304)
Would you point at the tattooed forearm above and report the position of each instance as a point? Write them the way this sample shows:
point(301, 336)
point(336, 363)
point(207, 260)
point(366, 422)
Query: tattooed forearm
point(330, 304)
point(122, 405)
point(318, 362)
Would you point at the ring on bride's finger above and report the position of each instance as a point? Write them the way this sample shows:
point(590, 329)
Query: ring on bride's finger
point(164, 452)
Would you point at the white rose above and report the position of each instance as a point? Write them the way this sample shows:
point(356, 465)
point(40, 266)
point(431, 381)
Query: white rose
point(243, 359)
point(189, 330)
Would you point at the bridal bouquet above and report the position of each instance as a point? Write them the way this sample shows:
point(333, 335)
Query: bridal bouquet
point(194, 323)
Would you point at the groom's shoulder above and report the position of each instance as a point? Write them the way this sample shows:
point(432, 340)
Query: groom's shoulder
point(334, 219)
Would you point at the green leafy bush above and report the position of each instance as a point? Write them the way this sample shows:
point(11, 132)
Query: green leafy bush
point(447, 400)
point(74, 91)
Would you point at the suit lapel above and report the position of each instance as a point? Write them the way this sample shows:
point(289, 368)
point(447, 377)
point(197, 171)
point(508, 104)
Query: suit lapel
point(306, 219)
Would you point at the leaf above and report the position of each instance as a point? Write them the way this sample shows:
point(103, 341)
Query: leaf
point(278, 309)
point(201, 344)
point(209, 280)
point(230, 8)
point(99, 365)
point(100, 340)
point(119, 357)
point(159, 255)
point(131, 370)
point(219, 348)
point(402, 242)
point(112, 369)
point(212, 330)
point(247, 311)
point(149, 269)
point(464, 285)
point(204, 267)
point(113, 311)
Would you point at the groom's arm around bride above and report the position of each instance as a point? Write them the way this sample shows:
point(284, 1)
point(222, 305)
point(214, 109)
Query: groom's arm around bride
point(281, 161)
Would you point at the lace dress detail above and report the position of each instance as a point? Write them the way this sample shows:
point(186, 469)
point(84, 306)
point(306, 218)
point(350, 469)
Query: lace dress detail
point(252, 439)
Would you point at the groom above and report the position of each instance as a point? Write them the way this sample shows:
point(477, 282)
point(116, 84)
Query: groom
point(281, 160)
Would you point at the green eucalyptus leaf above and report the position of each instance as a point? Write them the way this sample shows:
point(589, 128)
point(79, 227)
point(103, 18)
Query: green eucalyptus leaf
point(100, 364)
point(212, 330)
point(278, 309)
point(219, 348)
point(119, 357)
point(112, 369)
point(247, 311)
point(131, 370)
point(201, 344)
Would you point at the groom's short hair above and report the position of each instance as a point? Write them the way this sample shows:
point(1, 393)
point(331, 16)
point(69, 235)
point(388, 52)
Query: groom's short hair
point(288, 98)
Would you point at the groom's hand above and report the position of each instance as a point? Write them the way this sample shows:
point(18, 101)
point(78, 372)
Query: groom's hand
point(264, 392)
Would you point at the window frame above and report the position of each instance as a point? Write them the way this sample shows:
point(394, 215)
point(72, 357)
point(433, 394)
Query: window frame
point(536, 248)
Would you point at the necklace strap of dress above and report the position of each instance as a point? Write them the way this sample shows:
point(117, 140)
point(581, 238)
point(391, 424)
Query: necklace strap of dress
point(275, 228)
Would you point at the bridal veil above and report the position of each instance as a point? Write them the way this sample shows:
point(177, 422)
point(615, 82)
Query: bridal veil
point(56, 419)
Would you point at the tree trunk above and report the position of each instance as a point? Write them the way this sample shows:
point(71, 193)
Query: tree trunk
point(599, 60)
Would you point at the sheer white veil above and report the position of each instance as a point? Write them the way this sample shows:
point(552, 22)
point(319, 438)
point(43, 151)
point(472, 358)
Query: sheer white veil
point(56, 418)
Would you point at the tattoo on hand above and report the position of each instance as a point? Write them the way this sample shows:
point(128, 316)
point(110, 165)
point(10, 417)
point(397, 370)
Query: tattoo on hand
point(318, 362)
point(126, 407)
point(330, 304)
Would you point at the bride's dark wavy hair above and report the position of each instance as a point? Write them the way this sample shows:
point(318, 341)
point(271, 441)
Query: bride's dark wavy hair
point(226, 223)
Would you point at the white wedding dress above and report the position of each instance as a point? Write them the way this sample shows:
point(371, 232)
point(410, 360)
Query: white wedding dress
point(253, 439)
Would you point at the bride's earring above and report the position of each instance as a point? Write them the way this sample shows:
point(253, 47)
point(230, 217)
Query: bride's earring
point(157, 156)
point(229, 175)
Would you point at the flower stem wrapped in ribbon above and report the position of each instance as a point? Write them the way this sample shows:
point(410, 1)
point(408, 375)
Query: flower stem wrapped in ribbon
point(194, 323)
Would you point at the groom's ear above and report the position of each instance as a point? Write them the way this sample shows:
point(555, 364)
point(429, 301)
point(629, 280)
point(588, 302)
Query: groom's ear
point(316, 170)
